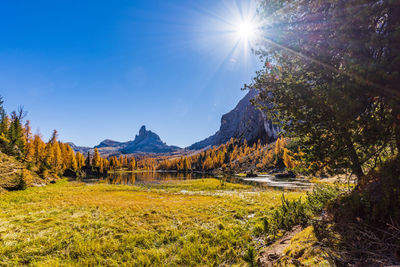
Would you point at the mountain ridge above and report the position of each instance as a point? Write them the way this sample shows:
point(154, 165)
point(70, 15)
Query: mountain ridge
point(244, 122)
point(145, 142)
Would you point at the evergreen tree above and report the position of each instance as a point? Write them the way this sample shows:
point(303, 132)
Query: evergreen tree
point(80, 160)
point(2, 111)
point(96, 158)
point(16, 146)
point(88, 161)
point(331, 72)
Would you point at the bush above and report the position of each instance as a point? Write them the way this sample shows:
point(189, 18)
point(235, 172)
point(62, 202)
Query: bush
point(21, 181)
point(376, 201)
point(299, 212)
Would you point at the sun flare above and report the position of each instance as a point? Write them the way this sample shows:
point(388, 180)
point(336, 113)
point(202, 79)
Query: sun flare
point(246, 30)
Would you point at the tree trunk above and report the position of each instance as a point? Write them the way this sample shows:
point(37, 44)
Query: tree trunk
point(396, 118)
point(355, 161)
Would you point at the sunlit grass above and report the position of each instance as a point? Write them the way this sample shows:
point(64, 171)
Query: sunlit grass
point(304, 250)
point(161, 225)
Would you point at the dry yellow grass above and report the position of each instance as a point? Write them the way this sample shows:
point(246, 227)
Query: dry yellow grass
point(199, 222)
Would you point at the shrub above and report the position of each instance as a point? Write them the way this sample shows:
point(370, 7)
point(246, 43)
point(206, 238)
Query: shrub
point(250, 257)
point(299, 212)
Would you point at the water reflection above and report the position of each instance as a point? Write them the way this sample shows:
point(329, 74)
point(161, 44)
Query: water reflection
point(152, 177)
point(131, 178)
point(281, 183)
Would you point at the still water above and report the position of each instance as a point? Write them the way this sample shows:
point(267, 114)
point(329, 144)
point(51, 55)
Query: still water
point(140, 178)
point(147, 177)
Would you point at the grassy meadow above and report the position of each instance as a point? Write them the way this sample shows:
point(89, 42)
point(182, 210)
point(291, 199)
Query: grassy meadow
point(196, 222)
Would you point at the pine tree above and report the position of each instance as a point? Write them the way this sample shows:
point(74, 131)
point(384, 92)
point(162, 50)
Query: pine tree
point(2, 111)
point(101, 165)
point(88, 161)
point(287, 159)
point(80, 160)
point(58, 160)
point(125, 161)
point(96, 158)
point(38, 149)
point(74, 164)
point(121, 161)
point(16, 146)
point(132, 164)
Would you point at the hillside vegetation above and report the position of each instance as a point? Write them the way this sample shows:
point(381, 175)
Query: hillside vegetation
point(14, 175)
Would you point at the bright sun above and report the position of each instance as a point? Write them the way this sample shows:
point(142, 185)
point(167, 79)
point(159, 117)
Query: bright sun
point(246, 30)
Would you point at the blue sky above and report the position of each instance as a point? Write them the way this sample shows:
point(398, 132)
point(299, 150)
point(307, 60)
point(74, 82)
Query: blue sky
point(101, 69)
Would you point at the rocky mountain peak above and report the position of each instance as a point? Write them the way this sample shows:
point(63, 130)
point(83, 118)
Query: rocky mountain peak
point(244, 122)
point(146, 136)
point(142, 130)
point(147, 141)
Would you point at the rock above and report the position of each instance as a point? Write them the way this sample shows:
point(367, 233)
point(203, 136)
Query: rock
point(244, 122)
point(288, 174)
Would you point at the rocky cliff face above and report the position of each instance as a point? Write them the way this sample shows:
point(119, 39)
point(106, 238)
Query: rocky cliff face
point(147, 142)
point(244, 122)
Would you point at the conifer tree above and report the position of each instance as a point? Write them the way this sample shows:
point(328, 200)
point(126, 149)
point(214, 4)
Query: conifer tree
point(74, 164)
point(132, 164)
point(54, 137)
point(88, 161)
point(96, 158)
point(2, 111)
point(57, 161)
point(101, 165)
point(80, 160)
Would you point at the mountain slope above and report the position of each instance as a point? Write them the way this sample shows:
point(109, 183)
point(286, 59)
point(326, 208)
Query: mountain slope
point(14, 175)
point(110, 143)
point(243, 122)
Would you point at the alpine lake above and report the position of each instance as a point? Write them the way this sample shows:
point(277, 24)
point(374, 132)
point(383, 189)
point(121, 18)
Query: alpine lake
point(140, 178)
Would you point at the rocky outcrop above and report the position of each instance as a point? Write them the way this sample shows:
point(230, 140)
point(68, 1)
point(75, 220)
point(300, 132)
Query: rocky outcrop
point(244, 122)
point(148, 142)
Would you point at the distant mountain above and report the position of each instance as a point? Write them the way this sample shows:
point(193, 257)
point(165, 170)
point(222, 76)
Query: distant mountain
point(148, 142)
point(82, 149)
point(244, 122)
point(145, 142)
point(110, 143)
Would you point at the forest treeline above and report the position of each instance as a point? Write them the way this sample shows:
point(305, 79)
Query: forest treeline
point(52, 158)
point(236, 156)
point(49, 158)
